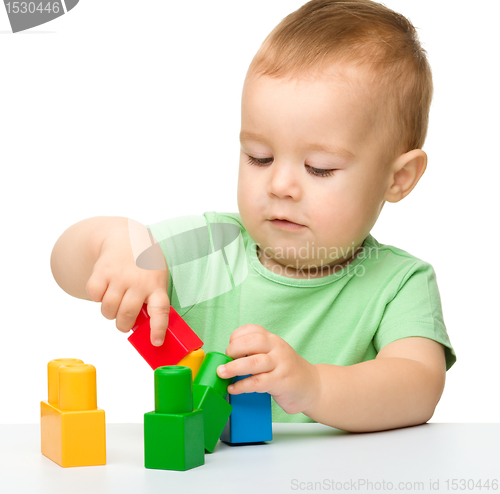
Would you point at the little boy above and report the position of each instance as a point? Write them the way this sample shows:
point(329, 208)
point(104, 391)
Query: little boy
point(337, 327)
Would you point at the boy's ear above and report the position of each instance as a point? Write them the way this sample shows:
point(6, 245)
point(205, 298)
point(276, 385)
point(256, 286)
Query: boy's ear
point(405, 173)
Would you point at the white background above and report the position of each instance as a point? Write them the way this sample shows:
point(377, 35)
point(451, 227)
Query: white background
point(132, 109)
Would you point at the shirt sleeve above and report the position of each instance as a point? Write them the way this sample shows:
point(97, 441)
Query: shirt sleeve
point(415, 310)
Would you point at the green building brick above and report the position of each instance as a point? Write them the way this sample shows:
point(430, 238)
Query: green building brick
point(216, 412)
point(209, 393)
point(174, 432)
point(173, 442)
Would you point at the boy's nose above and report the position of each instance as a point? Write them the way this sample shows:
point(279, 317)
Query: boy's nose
point(284, 181)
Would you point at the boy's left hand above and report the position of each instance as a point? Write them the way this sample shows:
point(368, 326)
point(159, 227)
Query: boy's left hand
point(275, 366)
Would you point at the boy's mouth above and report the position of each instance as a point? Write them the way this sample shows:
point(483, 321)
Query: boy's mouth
point(284, 223)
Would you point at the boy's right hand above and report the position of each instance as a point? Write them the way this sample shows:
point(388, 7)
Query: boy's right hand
point(122, 287)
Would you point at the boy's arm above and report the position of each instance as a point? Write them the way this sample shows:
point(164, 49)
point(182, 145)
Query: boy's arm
point(400, 388)
point(77, 250)
point(95, 259)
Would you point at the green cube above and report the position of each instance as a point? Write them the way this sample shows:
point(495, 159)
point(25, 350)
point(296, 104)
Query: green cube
point(174, 442)
point(216, 412)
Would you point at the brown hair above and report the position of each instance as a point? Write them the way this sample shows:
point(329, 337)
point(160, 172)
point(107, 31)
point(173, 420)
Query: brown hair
point(364, 34)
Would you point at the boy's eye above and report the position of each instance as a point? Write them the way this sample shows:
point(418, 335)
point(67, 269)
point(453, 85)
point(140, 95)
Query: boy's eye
point(259, 161)
point(317, 172)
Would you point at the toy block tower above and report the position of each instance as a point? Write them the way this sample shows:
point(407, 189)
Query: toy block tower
point(73, 428)
point(250, 420)
point(180, 340)
point(173, 433)
point(209, 393)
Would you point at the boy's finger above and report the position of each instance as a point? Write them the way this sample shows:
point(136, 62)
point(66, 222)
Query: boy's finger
point(96, 288)
point(254, 364)
point(158, 310)
point(246, 329)
point(129, 309)
point(253, 384)
point(249, 344)
point(111, 302)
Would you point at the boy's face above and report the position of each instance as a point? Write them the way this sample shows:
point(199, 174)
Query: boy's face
point(283, 126)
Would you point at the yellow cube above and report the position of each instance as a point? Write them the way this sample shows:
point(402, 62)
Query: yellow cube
point(73, 428)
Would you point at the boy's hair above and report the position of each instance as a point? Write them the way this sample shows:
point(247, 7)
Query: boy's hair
point(359, 33)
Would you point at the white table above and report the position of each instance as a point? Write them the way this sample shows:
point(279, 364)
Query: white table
point(301, 458)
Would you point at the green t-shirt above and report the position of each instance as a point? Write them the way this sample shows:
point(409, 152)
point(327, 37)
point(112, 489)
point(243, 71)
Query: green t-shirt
point(218, 284)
